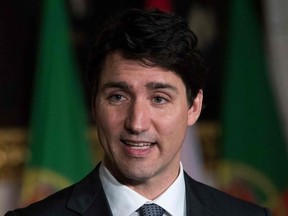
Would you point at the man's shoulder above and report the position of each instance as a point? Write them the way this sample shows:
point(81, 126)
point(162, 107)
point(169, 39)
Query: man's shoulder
point(219, 202)
point(54, 203)
point(69, 201)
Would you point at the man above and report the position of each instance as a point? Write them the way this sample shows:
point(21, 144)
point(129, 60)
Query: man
point(147, 77)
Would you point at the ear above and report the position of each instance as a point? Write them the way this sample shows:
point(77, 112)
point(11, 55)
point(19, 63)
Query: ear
point(195, 110)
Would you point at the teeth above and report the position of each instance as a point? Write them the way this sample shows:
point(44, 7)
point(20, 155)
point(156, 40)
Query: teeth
point(133, 144)
point(138, 144)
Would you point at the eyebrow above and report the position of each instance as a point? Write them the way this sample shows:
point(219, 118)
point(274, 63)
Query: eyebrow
point(160, 85)
point(121, 85)
point(151, 86)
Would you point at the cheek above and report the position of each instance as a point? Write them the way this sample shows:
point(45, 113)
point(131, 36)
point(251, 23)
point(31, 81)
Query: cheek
point(108, 119)
point(107, 129)
point(175, 118)
point(173, 128)
point(105, 122)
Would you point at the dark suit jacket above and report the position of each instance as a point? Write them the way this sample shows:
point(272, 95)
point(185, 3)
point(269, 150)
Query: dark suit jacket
point(87, 198)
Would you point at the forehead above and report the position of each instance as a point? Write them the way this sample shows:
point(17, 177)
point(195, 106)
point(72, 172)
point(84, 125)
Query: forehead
point(117, 68)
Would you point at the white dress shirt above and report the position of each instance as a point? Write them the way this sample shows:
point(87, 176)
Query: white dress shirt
point(123, 201)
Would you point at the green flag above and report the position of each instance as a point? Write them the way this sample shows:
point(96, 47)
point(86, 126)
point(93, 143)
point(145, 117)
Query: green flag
point(59, 128)
point(256, 167)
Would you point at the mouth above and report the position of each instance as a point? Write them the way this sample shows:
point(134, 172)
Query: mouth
point(138, 144)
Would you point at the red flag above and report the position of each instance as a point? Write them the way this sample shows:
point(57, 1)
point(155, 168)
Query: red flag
point(164, 5)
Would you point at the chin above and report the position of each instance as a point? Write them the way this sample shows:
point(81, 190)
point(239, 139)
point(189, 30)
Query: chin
point(136, 176)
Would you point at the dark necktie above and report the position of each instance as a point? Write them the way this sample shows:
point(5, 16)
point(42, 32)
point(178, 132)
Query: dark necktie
point(151, 210)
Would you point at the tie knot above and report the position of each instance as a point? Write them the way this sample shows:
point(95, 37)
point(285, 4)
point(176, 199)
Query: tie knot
point(151, 210)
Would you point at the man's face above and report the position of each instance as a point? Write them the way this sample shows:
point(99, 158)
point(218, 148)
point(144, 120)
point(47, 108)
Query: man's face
point(142, 114)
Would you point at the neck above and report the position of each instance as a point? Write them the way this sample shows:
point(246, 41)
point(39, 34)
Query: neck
point(151, 189)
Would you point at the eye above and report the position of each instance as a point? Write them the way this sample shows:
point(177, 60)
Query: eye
point(159, 100)
point(116, 98)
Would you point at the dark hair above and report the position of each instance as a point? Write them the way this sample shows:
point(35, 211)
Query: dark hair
point(155, 38)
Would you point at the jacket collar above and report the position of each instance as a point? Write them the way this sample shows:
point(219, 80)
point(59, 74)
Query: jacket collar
point(197, 200)
point(88, 196)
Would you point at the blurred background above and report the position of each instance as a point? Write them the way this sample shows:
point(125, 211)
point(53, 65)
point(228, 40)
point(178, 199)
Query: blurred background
point(47, 134)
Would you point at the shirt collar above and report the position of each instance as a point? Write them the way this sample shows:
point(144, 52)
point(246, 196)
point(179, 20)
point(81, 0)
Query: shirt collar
point(125, 201)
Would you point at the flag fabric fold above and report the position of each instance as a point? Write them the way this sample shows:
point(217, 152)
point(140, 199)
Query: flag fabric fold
point(276, 18)
point(253, 140)
point(59, 128)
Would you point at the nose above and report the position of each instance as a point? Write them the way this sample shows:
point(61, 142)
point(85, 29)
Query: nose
point(138, 117)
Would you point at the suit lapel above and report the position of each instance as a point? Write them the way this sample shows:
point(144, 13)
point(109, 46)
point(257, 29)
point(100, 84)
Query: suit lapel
point(99, 206)
point(196, 203)
point(88, 196)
